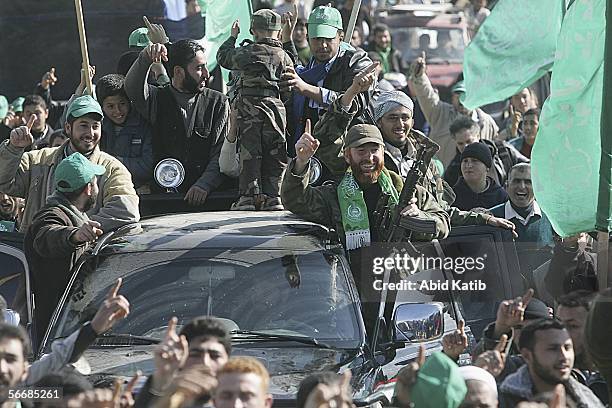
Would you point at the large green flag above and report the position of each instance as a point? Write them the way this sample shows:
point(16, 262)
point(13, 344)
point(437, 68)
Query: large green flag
point(571, 158)
point(220, 15)
point(514, 47)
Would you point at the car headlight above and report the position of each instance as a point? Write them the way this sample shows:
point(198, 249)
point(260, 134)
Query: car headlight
point(169, 173)
point(316, 170)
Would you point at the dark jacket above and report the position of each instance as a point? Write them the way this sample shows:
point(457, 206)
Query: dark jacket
point(467, 199)
point(51, 255)
point(571, 269)
point(209, 124)
point(132, 146)
point(504, 157)
point(518, 387)
point(348, 63)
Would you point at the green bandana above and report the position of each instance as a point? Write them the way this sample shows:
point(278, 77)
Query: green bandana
point(354, 210)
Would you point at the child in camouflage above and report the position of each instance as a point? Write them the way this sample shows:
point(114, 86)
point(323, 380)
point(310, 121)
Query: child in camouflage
point(260, 113)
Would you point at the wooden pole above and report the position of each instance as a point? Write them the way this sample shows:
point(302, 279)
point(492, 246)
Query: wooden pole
point(603, 260)
point(352, 21)
point(84, 52)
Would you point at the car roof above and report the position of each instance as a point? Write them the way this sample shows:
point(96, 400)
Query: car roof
point(221, 229)
point(444, 20)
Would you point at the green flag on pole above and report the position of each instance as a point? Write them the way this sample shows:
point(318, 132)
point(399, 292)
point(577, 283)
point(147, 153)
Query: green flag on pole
point(571, 158)
point(220, 15)
point(514, 47)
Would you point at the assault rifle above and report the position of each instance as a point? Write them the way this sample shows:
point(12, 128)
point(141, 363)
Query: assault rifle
point(392, 226)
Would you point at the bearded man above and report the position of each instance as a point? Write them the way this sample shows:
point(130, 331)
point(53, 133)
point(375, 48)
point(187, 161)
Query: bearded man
point(350, 205)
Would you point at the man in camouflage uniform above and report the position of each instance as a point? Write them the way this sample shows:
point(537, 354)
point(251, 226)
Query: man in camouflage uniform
point(260, 112)
point(393, 115)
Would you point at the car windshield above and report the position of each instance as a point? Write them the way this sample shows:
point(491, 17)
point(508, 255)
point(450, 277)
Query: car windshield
point(281, 292)
point(439, 44)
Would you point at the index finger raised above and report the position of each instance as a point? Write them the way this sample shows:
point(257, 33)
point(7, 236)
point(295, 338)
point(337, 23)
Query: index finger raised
point(501, 346)
point(115, 289)
point(308, 127)
point(527, 297)
point(423, 55)
point(421, 356)
point(147, 22)
point(31, 121)
point(461, 326)
point(171, 331)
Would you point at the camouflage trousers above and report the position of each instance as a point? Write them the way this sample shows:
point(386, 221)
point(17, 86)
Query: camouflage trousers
point(261, 124)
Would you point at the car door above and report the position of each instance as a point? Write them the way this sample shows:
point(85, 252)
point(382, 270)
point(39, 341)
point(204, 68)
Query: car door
point(14, 276)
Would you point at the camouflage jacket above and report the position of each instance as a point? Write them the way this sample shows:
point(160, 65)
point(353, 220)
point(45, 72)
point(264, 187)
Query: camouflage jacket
point(331, 130)
point(261, 64)
point(320, 204)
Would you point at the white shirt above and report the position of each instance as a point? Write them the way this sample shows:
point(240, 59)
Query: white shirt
point(510, 213)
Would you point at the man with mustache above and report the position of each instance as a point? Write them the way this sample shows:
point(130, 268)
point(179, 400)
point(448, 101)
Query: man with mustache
point(30, 174)
point(349, 206)
point(189, 121)
point(549, 355)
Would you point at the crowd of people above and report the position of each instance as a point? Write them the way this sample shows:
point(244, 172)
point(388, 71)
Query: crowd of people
point(70, 171)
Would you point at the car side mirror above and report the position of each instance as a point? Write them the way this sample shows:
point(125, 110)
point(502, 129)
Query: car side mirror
point(418, 322)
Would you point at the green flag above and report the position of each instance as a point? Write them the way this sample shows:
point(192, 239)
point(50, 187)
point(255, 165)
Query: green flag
point(514, 47)
point(571, 156)
point(220, 15)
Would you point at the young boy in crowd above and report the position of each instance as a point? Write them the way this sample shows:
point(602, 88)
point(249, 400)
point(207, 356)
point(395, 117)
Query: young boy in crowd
point(260, 113)
point(125, 134)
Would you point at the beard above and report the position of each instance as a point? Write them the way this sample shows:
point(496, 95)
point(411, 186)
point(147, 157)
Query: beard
point(190, 84)
point(90, 203)
point(546, 374)
point(366, 178)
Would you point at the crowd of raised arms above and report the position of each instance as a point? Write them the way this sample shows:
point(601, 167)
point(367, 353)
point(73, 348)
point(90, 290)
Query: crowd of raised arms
point(327, 125)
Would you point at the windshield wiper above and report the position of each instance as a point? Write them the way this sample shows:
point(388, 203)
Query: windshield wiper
point(282, 337)
point(124, 339)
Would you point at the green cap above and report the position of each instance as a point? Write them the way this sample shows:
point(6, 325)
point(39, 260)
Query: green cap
point(324, 22)
point(17, 104)
point(266, 19)
point(74, 172)
point(139, 38)
point(82, 106)
point(439, 384)
point(459, 87)
point(361, 134)
point(4, 105)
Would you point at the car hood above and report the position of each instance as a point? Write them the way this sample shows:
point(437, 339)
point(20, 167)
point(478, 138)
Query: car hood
point(287, 365)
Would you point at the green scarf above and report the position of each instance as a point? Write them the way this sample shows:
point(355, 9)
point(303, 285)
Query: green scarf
point(354, 210)
point(384, 56)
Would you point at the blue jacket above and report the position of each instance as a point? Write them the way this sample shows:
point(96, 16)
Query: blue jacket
point(132, 146)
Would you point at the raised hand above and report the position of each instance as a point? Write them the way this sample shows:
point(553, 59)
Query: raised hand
point(88, 232)
point(419, 66)
point(114, 308)
point(407, 377)
point(289, 20)
point(327, 396)
point(364, 79)
point(511, 313)
point(49, 79)
point(21, 137)
point(81, 87)
point(305, 147)
point(157, 52)
point(494, 360)
point(235, 29)
point(455, 343)
point(516, 118)
point(170, 355)
point(127, 396)
point(155, 32)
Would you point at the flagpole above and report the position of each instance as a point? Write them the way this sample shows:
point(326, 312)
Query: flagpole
point(352, 21)
point(83, 39)
point(603, 253)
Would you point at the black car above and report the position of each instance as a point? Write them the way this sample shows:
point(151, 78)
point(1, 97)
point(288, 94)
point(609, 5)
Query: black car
point(282, 284)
